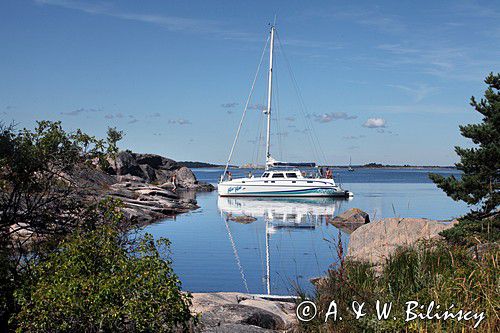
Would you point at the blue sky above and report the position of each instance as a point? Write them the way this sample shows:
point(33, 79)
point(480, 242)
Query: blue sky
point(382, 81)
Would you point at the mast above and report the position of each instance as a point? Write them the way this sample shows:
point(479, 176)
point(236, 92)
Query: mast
point(269, 97)
point(268, 264)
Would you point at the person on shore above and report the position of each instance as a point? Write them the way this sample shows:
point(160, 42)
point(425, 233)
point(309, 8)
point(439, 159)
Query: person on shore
point(174, 181)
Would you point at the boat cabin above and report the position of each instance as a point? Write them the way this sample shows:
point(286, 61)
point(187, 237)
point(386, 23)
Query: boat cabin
point(282, 174)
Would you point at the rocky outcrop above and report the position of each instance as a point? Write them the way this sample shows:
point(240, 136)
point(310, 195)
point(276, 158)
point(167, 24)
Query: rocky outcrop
point(236, 312)
point(145, 203)
point(350, 220)
point(143, 182)
point(155, 169)
point(376, 241)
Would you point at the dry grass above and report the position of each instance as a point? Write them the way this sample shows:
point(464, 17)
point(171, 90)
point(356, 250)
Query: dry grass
point(427, 272)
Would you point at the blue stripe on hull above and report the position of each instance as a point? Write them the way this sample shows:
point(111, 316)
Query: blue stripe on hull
point(304, 192)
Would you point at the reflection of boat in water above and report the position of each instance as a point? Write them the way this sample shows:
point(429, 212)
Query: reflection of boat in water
point(281, 212)
point(278, 213)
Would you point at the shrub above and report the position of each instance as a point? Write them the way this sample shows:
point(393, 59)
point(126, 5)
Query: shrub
point(103, 281)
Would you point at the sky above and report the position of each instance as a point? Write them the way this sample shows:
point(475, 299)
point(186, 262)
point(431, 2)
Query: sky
point(378, 81)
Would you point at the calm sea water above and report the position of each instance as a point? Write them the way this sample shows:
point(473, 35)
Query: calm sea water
point(290, 238)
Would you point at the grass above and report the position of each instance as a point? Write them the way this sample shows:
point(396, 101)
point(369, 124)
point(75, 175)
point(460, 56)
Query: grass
point(429, 271)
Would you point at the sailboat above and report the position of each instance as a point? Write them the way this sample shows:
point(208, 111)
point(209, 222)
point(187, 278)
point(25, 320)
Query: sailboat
point(350, 165)
point(280, 179)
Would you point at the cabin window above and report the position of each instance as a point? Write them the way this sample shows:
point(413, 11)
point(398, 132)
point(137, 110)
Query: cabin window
point(265, 175)
point(291, 175)
point(309, 181)
point(278, 175)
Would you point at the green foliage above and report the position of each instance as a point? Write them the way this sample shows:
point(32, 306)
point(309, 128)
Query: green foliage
point(40, 191)
point(102, 281)
point(113, 137)
point(470, 231)
point(42, 196)
point(479, 183)
point(428, 272)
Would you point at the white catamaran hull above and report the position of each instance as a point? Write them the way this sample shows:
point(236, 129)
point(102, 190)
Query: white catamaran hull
point(281, 188)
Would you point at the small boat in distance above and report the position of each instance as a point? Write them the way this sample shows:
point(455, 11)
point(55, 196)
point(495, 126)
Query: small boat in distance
point(280, 179)
point(350, 165)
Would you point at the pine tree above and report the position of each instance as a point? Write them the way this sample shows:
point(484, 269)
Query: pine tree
point(479, 183)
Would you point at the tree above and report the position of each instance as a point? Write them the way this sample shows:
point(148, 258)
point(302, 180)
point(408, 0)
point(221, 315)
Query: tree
point(479, 183)
point(102, 280)
point(42, 194)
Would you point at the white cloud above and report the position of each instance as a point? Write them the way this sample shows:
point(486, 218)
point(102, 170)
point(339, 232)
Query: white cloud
point(179, 121)
point(419, 92)
point(374, 123)
point(171, 23)
point(328, 117)
point(229, 105)
point(80, 111)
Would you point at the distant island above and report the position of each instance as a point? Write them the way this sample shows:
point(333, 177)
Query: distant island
point(371, 165)
point(191, 165)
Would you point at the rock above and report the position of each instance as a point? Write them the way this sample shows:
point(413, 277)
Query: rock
point(125, 164)
point(154, 168)
point(130, 179)
point(152, 191)
point(148, 172)
point(157, 161)
point(378, 240)
point(185, 177)
point(350, 220)
point(244, 219)
point(235, 312)
point(146, 203)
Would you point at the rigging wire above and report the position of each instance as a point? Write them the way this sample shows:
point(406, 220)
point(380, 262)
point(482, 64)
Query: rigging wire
point(303, 108)
point(237, 257)
point(277, 108)
point(258, 140)
point(245, 109)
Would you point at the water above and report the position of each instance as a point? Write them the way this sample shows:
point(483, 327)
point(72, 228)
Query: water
point(212, 253)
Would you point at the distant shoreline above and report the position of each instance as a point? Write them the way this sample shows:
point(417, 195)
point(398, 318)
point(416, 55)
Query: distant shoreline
point(204, 165)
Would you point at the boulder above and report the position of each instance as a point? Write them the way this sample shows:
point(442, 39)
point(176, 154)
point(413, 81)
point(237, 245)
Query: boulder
point(185, 177)
point(376, 241)
point(350, 220)
point(236, 312)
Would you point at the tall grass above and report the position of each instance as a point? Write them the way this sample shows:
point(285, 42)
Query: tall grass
point(429, 271)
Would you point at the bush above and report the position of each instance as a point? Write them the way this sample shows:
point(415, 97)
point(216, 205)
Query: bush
point(472, 231)
point(102, 281)
point(428, 272)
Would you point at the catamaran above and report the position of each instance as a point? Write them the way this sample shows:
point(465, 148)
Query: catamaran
point(280, 179)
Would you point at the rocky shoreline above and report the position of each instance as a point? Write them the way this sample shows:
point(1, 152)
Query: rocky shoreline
point(145, 185)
